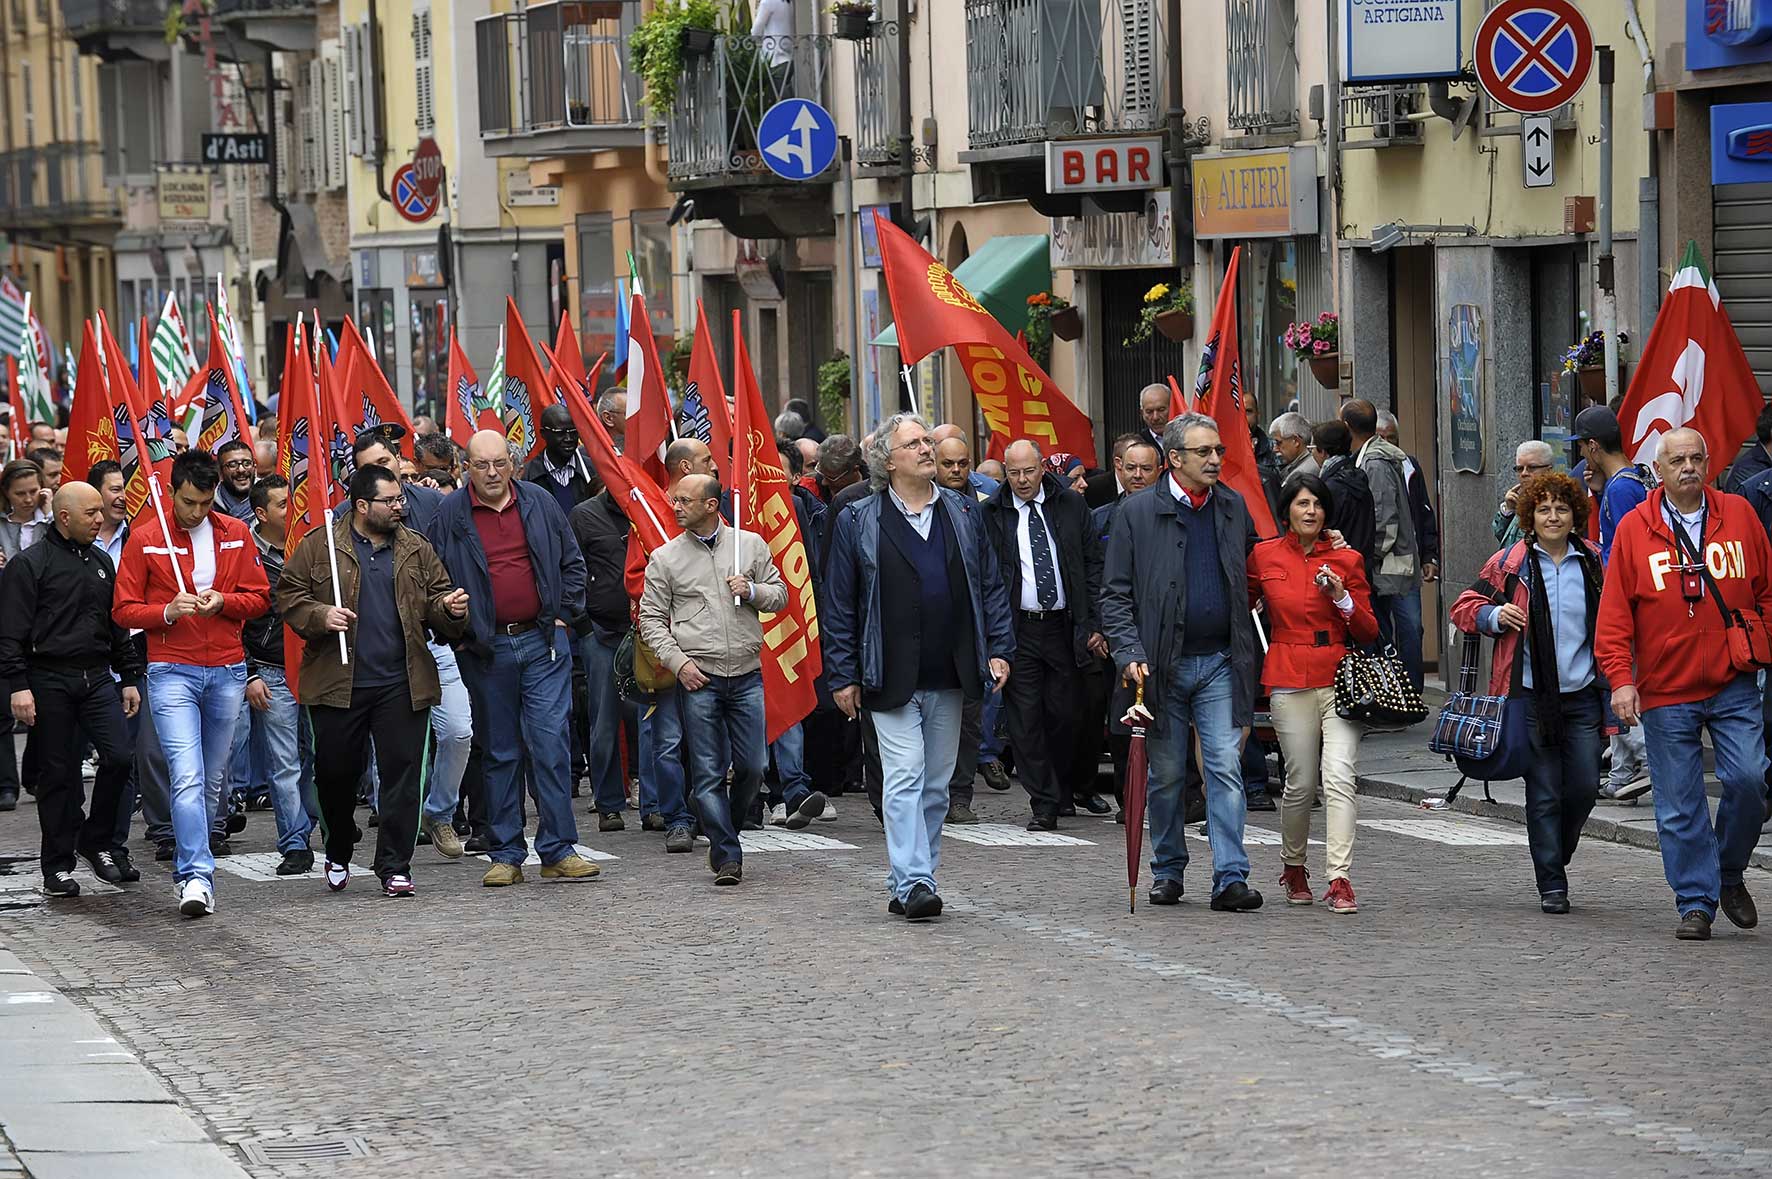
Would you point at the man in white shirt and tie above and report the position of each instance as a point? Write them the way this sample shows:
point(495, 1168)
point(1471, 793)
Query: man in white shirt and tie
point(1051, 563)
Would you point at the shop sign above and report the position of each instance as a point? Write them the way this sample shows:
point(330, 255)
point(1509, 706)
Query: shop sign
point(1104, 165)
point(1722, 33)
point(520, 193)
point(1400, 40)
point(183, 195)
point(1741, 143)
point(1256, 194)
point(1116, 241)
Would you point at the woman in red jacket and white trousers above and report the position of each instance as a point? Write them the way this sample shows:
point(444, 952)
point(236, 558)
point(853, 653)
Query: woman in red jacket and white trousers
point(1316, 601)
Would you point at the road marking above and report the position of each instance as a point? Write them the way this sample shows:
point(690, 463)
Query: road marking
point(533, 859)
point(1252, 836)
point(1446, 831)
point(774, 841)
point(262, 866)
point(1009, 835)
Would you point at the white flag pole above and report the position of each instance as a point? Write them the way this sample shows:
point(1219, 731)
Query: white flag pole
point(737, 515)
point(142, 459)
point(324, 447)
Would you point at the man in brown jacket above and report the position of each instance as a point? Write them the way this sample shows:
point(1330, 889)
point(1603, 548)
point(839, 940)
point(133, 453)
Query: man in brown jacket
point(391, 588)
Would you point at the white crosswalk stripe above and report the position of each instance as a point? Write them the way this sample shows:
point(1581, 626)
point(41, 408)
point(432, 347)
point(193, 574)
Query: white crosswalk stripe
point(1449, 832)
point(589, 853)
point(1009, 835)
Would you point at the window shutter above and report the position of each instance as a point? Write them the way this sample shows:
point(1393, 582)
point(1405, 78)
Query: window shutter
point(421, 68)
point(332, 131)
point(366, 71)
point(353, 101)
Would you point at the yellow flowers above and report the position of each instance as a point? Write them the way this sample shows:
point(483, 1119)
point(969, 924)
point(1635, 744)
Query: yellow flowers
point(1157, 293)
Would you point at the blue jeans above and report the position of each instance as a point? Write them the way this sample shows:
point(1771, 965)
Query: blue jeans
point(1562, 784)
point(724, 721)
point(522, 701)
point(276, 737)
point(452, 733)
point(918, 746)
point(1697, 857)
point(661, 758)
point(195, 712)
point(1399, 625)
point(790, 766)
point(597, 655)
point(1196, 695)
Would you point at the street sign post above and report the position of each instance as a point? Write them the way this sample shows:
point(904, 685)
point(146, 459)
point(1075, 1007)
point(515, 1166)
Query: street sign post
point(1538, 149)
point(236, 147)
point(1532, 56)
point(799, 139)
point(409, 198)
point(427, 164)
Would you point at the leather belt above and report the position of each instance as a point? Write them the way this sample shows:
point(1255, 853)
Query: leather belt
point(1038, 615)
point(515, 628)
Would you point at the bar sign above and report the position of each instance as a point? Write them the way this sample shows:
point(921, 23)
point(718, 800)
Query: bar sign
point(236, 147)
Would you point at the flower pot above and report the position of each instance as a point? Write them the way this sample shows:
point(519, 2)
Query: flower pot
point(1327, 370)
point(1067, 323)
point(1591, 379)
point(855, 26)
point(694, 42)
point(1176, 325)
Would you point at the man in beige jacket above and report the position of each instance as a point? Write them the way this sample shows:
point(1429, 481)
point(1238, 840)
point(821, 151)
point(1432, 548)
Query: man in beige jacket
point(705, 591)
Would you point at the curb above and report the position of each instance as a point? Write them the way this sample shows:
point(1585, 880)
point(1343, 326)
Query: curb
point(1470, 801)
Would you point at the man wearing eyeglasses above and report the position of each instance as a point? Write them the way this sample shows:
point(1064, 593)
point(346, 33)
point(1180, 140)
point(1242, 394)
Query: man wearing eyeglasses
point(1531, 457)
point(1174, 609)
point(562, 468)
point(239, 468)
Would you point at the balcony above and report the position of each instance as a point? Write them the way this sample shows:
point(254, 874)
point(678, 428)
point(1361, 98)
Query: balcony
point(721, 97)
point(554, 79)
point(113, 29)
point(1263, 66)
point(1043, 70)
point(60, 186)
point(1385, 113)
point(285, 25)
point(876, 100)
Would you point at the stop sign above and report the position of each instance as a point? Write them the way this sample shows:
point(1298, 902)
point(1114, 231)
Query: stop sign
point(427, 166)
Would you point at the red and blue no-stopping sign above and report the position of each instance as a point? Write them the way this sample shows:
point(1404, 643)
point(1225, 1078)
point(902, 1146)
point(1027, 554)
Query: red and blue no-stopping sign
point(1532, 56)
point(409, 198)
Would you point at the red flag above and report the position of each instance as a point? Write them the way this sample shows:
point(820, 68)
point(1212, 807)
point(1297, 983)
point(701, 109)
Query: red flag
point(632, 488)
point(764, 503)
point(707, 392)
point(21, 429)
point(92, 434)
point(528, 387)
point(465, 410)
point(649, 404)
point(567, 355)
point(1218, 392)
point(1177, 407)
point(364, 397)
point(302, 458)
point(933, 310)
point(224, 415)
point(1693, 372)
point(144, 431)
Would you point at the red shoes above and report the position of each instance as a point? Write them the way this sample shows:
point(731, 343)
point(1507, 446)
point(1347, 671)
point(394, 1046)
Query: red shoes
point(1340, 897)
point(1297, 883)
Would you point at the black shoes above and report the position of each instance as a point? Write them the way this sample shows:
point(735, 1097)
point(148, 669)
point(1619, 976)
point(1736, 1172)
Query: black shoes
point(730, 873)
point(61, 884)
point(995, 776)
point(895, 907)
point(1095, 804)
point(8, 798)
point(1166, 892)
point(236, 822)
point(127, 870)
point(809, 809)
point(1694, 927)
point(922, 904)
point(475, 844)
point(1067, 810)
point(296, 863)
point(219, 846)
point(104, 866)
point(1043, 823)
point(961, 815)
point(1236, 897)
point(611, 821)
point(1738, 907)
point(652, 823)
point(1262, 802)
point(1556, 901)
point(165, 849)
point(678, 839)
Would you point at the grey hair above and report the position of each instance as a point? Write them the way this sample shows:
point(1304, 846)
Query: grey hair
point(880, 449)
point(789, 424)
point(838, 455)
point(1175, 433)
point(1536, 447)
point(1038, 453)
point(1291, 425)
point(606, 403)
point(1386, 418)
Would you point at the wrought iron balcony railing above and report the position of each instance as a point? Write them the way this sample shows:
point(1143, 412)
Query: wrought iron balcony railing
point(876, 98)
point(85, 18)
point(1263, 65)
point(721, 98)
point(60, 184)
point(560, 70)
point(1051, 69)
point(1385, 112)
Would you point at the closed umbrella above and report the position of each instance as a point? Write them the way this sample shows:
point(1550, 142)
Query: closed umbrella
point(1133, 792)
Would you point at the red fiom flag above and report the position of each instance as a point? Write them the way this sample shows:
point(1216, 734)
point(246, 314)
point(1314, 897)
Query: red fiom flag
point(633, 490)
point(792, 657)
point(649, 403)
point(144, 432)
point(1177, 407)
point(21, 429)
point(706, 385)
point(92, 435)
point(224, 415)
point(1693, 372)
point(1219, 394)
point(933, 310)
point(528, 388)
point(465, 412)
point(303, 460)
point(567, 355)
point(364, 397)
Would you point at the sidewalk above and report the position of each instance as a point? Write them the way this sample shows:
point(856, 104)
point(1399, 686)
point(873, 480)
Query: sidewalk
point(1399, 766)
point(76, 1104)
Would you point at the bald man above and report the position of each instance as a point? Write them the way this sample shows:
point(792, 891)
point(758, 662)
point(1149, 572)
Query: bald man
point(59, 649)
point(507, 543)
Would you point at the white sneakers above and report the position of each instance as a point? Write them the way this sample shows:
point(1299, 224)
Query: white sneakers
point(830, 813)
point(196, 899)
point(337, 875)
point(778, 815)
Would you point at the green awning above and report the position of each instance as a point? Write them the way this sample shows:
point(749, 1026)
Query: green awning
point(1001, 276)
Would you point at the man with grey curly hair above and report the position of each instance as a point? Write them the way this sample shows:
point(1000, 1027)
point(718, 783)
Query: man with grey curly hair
point(916, 621)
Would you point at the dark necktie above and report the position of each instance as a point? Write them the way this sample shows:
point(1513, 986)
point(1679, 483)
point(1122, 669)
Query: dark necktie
point(1045, 576)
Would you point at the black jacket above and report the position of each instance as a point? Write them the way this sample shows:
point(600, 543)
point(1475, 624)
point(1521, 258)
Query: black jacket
point(1079, 554)
point(263, 636)
point(55, 612)
point(581, 486)
point(602, 533)
point(1351, 511)
point(1754, 462)
point(1103, 488)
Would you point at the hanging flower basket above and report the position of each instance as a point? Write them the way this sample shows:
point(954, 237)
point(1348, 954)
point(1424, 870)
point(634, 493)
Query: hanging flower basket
point(1067, 323)
point(1327, 369)
point(854, 24)
point(1175, 325)
point(694, 42)
point(1591, 379)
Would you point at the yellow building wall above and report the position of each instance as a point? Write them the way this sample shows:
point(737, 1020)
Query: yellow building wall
point(613, 182)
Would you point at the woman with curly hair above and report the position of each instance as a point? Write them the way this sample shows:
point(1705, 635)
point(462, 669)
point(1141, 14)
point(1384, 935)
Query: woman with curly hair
point(1540, 597)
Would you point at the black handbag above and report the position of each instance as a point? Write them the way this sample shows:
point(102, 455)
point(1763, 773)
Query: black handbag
point(1487, 736)
point(1372, 688)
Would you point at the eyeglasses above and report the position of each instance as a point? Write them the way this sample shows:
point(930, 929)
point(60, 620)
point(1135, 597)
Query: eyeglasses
point(485, 465)
point(560, 431)
point(1204, 452)
point(683, 501)
point(1522, 468)
point(239, 465)
point(919, 444)
point(385, 500)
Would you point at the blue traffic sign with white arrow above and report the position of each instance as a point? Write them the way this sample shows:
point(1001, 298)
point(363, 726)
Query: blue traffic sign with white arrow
point(798, 138)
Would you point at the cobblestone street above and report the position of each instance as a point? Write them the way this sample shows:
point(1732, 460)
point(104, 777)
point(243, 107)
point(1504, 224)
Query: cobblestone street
point(647, 1023)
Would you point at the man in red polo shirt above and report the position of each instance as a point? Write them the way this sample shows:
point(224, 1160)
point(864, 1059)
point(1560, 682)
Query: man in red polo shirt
point(508, 544)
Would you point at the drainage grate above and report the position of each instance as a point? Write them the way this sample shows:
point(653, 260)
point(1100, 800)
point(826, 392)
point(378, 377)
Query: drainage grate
point(270, 1152)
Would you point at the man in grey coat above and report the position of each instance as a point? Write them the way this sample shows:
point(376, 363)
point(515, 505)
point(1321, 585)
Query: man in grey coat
point(1396, 576)
point(1175, 611)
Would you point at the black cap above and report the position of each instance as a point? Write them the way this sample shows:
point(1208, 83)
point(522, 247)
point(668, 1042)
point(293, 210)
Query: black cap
point(1600, 424)
point(385, 432)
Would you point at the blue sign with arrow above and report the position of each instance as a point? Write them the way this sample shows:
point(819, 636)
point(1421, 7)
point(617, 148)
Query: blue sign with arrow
point(798, 138)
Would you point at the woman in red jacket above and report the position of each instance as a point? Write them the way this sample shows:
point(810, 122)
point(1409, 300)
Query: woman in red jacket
point(1316, 602)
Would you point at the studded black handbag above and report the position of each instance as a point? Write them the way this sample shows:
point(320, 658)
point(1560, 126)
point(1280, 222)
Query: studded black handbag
point(1372, 687)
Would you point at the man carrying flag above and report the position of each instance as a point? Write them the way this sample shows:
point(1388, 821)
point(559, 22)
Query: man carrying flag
point(704, 397)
